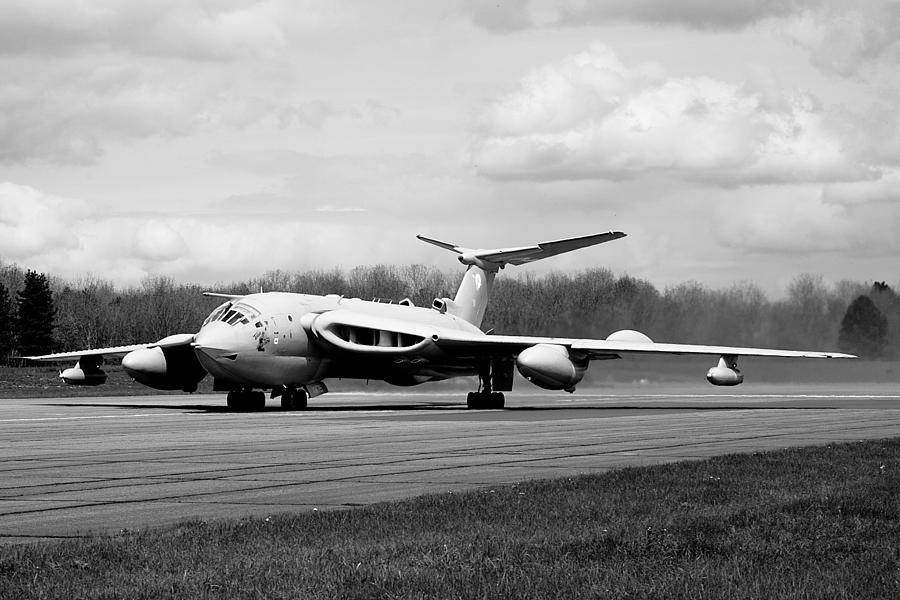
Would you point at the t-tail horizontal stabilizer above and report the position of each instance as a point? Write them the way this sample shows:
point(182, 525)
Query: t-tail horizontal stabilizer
point(498, 258)
point(472, 296)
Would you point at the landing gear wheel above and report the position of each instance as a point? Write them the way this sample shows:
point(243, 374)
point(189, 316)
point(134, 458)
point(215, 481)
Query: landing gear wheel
point(246, 400)
point(257, 401)
point(294, 399)
point(485, 400)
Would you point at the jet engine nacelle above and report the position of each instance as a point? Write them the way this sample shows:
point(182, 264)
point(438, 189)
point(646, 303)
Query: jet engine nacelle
point(549, 366)
point(86, 371)
point(165, 368)
point(725, 373)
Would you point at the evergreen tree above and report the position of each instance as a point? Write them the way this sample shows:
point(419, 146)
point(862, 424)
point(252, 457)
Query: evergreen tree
point(6, 325)
point(34, 321)
point(887, 301)
point(863, 329)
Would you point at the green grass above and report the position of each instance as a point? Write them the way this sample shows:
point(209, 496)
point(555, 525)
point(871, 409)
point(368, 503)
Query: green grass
point(800, 523)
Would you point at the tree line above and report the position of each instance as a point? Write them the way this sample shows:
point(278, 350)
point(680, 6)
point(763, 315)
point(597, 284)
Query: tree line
point(40, 314)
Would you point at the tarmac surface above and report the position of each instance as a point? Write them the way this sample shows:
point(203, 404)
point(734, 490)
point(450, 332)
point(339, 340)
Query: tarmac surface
point(73, 467)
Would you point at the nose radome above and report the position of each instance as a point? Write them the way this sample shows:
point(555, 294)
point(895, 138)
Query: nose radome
point(216, 338)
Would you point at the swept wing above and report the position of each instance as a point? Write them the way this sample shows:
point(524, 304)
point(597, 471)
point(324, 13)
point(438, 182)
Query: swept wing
point(464, 343)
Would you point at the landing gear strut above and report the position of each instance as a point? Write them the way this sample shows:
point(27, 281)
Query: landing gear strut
point(485, 397)
point(292, 399)
point(246, 400)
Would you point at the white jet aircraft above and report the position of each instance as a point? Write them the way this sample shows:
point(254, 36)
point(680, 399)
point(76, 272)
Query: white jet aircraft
point(289, 343)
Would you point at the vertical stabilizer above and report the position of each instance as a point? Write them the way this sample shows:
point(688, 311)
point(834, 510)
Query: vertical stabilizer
point(482, 266)
point(473, 294)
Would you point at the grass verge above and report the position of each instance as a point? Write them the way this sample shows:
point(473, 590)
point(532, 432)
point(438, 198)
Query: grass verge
point(799, 523)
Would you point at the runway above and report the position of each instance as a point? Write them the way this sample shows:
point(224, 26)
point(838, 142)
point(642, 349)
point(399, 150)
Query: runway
point(73, 467)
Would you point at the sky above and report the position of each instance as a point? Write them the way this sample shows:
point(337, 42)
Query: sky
point(749, 140)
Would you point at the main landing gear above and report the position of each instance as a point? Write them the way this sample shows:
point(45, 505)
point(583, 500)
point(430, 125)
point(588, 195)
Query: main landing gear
point(292, 399)
point(485, 397)
point(246, 400)
point(483, 400)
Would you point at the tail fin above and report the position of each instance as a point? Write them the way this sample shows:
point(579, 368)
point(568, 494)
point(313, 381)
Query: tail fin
point(474, 292)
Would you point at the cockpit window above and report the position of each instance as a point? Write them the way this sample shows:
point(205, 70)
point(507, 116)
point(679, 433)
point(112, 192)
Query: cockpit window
point(220, 310)
point(233, 314)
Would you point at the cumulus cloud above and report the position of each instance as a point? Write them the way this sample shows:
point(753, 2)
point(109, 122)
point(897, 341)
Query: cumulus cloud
point(35, 223)
point(591, 117)
point(158, 241)
point(68, 236)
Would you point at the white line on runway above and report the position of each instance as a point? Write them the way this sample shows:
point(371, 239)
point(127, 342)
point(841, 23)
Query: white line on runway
point(21, 420)
point(739, 396)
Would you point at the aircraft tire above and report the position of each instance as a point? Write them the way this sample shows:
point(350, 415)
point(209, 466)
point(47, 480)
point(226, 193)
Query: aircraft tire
point(245, 401)
point(294, 399)
point(233, 400)
point(287, 399)
point(484, 401)
point(257, 401)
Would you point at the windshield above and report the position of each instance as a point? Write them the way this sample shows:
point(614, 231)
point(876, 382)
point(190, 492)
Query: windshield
point(233, 313)
point(220, 310)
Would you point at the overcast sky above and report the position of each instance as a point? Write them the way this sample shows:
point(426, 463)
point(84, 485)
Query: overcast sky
point(212, 141)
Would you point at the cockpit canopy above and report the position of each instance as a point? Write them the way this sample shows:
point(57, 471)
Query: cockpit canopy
point(233, 313)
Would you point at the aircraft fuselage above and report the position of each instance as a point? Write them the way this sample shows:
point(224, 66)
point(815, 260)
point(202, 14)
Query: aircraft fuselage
point(279, 339)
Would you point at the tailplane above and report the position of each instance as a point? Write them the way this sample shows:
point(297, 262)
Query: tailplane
point(474, 292)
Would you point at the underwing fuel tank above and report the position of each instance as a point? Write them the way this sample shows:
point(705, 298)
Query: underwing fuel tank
point(550, 367)
point(725, 373)
point(86, 371)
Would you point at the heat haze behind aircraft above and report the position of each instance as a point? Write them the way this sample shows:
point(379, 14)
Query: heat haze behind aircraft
point(288, 344)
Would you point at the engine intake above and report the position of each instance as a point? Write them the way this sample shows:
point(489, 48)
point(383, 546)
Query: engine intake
point(165, 368)
point(726, 372)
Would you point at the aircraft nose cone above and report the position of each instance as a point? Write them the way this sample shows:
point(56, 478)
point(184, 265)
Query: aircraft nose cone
point(216, 340)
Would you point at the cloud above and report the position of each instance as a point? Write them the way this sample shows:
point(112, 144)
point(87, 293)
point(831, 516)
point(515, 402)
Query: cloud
point(76, 78)
point(158, 241)
point(592, 117)
point(697, 14)
point(194, 30)
point(849, 221)
point(67, 237)
point(513, 15)
point(842, 37)
point(786, 221)
point(886, 188)
point(34, 223)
